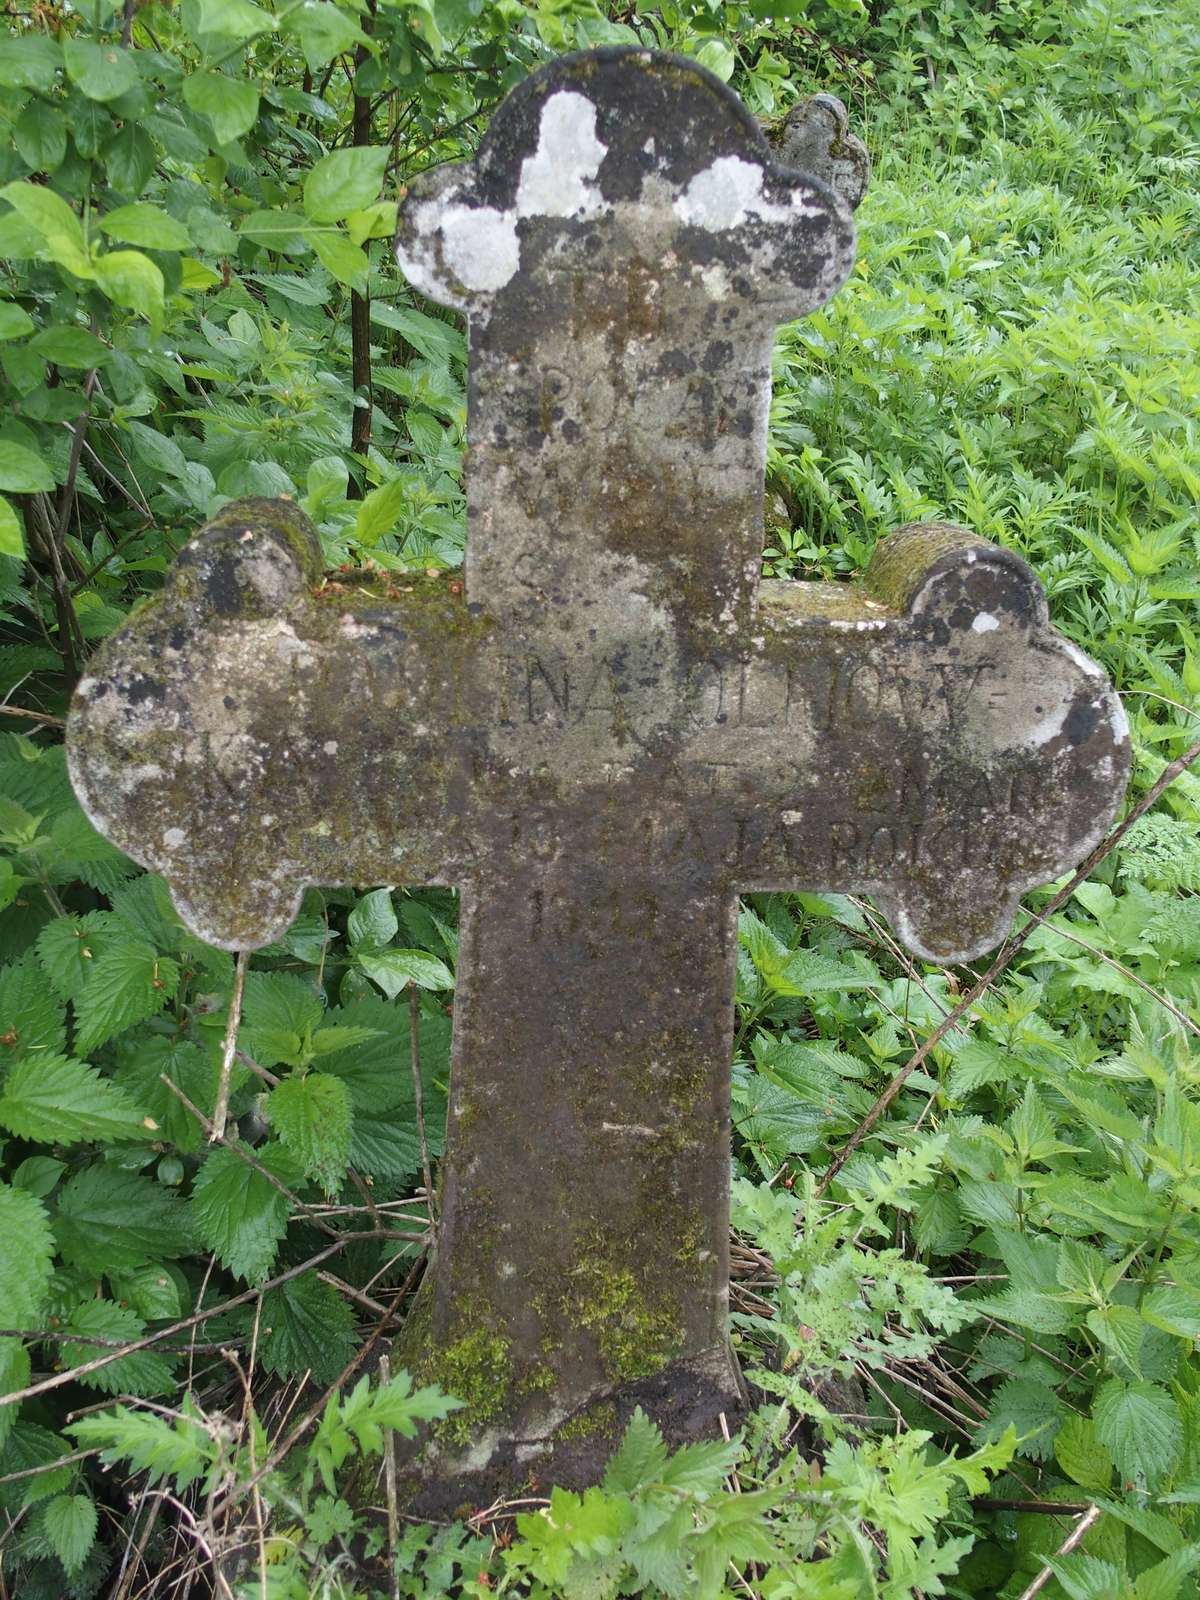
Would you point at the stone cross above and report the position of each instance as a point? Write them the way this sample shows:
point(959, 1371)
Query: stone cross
point(602, 736)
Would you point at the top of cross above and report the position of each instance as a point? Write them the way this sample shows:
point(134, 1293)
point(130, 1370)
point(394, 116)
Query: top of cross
point(624, 152)
point(624, 246)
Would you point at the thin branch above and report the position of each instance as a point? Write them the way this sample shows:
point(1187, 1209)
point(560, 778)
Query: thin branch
point(1072, 1542)
point(1008, 953)
point(216, 1131)
point(33, 716)
point(72, 1374)
point(418, 1099)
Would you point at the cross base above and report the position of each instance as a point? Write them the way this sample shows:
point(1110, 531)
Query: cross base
point(462, 1467)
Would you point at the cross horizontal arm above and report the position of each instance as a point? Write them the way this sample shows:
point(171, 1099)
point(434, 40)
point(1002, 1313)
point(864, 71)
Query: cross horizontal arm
point(253, 730)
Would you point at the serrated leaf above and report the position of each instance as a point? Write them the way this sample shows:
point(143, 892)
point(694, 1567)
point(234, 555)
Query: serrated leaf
point(1031, 1409)
point(55, 1100)
point(29, 1011)
point(143, 1372)
point(108, 1219)
point(26, 1255)
point(238, 1213)
point(187, 1066)
point(1081, 1456)
point(344, 181)
point(14, 1375)
point(128, 982)
point(151, 1290)
point(1175, 1309)
point(306, 1326)
point(70, 1523)
point(312, 1116)
point(1140, 1426)
point(640, 1457)
point(181, 1451)
point(280, 1000)
point(30, 1445)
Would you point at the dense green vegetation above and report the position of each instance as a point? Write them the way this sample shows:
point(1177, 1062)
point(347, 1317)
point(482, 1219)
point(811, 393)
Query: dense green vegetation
point(1001, 1285)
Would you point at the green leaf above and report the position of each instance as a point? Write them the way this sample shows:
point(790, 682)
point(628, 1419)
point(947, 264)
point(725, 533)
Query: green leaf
point(30, 1445)
point(66, 949)
point(14, 1375)
point(128, 982)
point(1081, 1456)
point(129, 158)
point(280, 1000)
point(29, 61)
point(369, 1070)
point(312, 1115)
point(148, 226)
point(380, 510)
point(238, 1213)
point(181, 1451)
point(22, 472)
point(151, 1290)
point(70, 1521)
point(143, 1372)
point(306, 1327)
point(40, 136)
point(12, 535)
point(393, 970)
point(26, 1254)
point(71, 347)
point(341, 259)
point(230, 104)
point(29, 1010)
point(57, 226)
point(375, 222)
point(324, 31)
point(234, 19)
point(1140, 1425)
point(55, 1100)
point(373, 920)
point(134, 281)
point(14, 322)
point(278, 230)
point(640, 1458)
point(101, 71)
point(344, 181)
point(187, 1066)
point(110, 1220)
point(1175, 1309)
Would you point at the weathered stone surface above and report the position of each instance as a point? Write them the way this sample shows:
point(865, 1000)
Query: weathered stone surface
point(612, 731)
point(815, 137)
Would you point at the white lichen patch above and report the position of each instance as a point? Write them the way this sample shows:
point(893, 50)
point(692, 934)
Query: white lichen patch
point(985, 622)
point(480, 245)
point(174, 838)
point(730, 190)
point(559, 179)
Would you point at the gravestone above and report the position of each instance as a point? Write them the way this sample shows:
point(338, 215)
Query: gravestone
point(601, 736)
